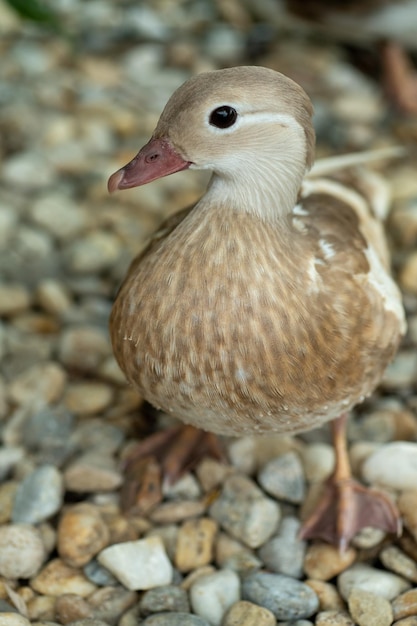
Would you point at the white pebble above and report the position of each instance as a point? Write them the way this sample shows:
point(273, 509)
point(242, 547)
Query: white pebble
point(367, 578)
point(141, 564)
point(211, 596)
point(21, 551)
point(394, 465)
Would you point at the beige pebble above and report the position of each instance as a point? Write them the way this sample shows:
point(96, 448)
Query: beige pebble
point(407, 621)
point(328, 595)
point(92, 472)
point(405, 605)
point(397, 561)
point(211, 473)
point(70, 607)
point(53, 297)
point(369, 609)
point(195, 544)
point(13, 299)
point(408, 274)
point(172, 512)
point(57, 578)
point(323, 561)
point(87, 398)
point(245, 613)
point(407, 505)
point(7, 495)
point(318, 461)
point(22, 552)
point(82, 533)
point(41, 607)
point(333, 618)
point(8, 618)
point(83, 348)
point(43, 382)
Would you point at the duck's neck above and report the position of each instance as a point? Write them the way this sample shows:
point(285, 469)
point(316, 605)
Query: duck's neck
point(267, 190)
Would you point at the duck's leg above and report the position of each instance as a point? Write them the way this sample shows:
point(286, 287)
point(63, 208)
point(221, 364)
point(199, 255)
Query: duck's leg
point(345, 506)
point(164, 457)
point(400, 77)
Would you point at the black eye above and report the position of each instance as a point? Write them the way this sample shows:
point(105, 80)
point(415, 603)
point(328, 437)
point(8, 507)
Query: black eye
point(223, 117)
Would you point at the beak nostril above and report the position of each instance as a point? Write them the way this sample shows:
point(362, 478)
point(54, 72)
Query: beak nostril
point(152, 157)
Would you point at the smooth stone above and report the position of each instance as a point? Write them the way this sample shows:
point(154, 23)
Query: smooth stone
point(211, 473)
point(110, 603)
point(174, 512)
point(7, 496)
point(246, 613)
point(398, 562)
point(329, 597)
point(12, 619)
point(185, 488)
point(407, 506)
point(82, 533)
point(211, 596)
point(394, 466)
point(244, 511)
point(39, 496)
point(87, 398)
point(407, 621)
point(99, 575)
point(333, 618)
point(166, 598)
point(318, 461)
point(92, 472)
point(368, 578)
point(95, 252)
point(168, 534)
point(408, 274)
point(22, 552)
point(285, 597)
point(232, 554)
point(174, 619)
point(402, 371)
point(14, 298)
point(41, 383)
point(141, 564)
point(405, 605)
point(59, 215)
point(71, 607)
point(53, 296)
point(284, 553)
point(368, 538)
point(97, 434)
point(57, 579)
point(369, 609)
point(324, 561)
point(195, 542)
point(283, 478)
point(10, 456)
point(41, 607)
point(242, 454)
point(48, 428)
point(83, 348)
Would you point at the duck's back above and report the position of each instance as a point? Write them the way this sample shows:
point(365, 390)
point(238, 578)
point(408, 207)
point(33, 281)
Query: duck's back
point(251, 326)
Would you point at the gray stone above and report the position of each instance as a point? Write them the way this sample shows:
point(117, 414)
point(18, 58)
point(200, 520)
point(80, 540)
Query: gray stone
point(174, 619)
point(99, 575)
point(283, 478)
point(39, 496)
point(284, 553)
point(211, 596)
point(366, 578)
point(167, 598)
point(285, 597)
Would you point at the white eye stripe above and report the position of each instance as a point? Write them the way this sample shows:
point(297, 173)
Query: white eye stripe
point(259, 117)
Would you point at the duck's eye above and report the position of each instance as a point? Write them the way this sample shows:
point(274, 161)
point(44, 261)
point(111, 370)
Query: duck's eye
point(223, 117)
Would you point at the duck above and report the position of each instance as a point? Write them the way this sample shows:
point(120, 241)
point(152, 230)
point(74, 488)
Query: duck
point(268, 306)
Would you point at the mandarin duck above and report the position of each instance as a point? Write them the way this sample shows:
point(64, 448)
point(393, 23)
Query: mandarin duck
point(267, 307)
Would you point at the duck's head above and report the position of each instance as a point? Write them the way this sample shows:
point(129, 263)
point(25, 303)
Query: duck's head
point(243, 123)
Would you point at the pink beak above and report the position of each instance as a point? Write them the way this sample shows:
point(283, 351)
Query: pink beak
point(156, 159)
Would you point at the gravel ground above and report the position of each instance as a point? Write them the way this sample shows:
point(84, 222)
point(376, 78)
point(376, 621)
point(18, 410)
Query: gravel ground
point(221, 548)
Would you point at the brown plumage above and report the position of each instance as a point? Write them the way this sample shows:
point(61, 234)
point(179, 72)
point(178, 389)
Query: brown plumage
point(268, 305)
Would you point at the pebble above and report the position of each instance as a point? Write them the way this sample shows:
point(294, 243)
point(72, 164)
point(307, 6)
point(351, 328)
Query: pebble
point(367, 578)
point(232, 554)
point(174, 512)
point(397, 561)
point(82, 533)
point(244, 511)
point(173, 619)
point(284, 553)
point(7, 496)
point(407, 506)
point(99, 575)
point(318, 461)
point(57, 579)
point(141, 564)
point(39, 496)
point(394, 466)
point(14, 298)
point(211, 596)
point(195, 543)
point(10, 456)
point(329, 597)
point(22, 552)
point(92, 472)
point(245, 613)
point(408, 274)
point(92, 253)
point(59, 215)
point(402, 372)
point(83, 348)
point(283, 478)
point(110, 603)
point(166, 598)
point(70, 607)
point(41, 383)
point(369, 609)
point(333, 618)
point(324, 561)
point(405, 604)
point(87, 398)
point(12, 619)
point(53, 296)
point(48, 428)
point(285, 597)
